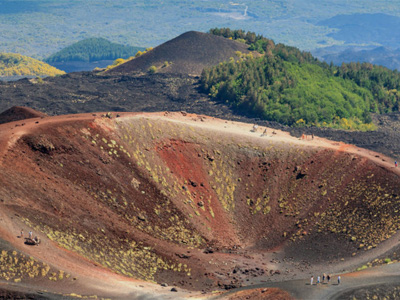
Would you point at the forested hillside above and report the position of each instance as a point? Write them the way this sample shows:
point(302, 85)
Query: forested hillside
point(12, 64)
point(93, 49)
point(293, 88)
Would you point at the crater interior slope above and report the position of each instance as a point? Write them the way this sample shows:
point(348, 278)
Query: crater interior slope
point(121, 202)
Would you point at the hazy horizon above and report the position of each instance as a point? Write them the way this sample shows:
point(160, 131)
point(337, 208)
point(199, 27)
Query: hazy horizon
point(38, 28)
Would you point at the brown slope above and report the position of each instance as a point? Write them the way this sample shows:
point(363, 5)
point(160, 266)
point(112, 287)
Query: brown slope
point(17, 113)
point(260, 294)
point(188, 53)
point(144, 195)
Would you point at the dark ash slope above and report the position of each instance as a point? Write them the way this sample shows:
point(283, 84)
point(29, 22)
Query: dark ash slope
point(17, 113)
point(188, 53)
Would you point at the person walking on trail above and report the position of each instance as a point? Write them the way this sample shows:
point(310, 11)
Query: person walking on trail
point(328, 278)
point(395, 163)
point(318, 280)
point(22, 234)
point(30, 234)
point(265, 132)
point(312, 280)
point(323, 278)
point(338, 280)
point(312, 135)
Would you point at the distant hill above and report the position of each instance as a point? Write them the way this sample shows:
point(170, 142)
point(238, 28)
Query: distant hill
point(93, 49)
point(188, 53)
point(12, 64)
point(379, 56)
point(365, 29)
point(17, 113)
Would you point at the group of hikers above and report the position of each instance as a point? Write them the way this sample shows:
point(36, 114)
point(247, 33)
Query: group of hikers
point(30, 239)
point(324, 276)
point(305, 136)
point(255, 128)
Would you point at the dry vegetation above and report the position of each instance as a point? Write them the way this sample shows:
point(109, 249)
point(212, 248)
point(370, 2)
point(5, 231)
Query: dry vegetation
point(15, 267)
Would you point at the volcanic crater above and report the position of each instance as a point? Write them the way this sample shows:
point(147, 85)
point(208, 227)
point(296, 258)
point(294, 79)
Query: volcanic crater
point(183, 200)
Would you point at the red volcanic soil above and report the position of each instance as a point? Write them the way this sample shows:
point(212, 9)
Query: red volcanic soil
point(188, 53)
point(184, 201)
point(17, 113)
point(179, 158)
